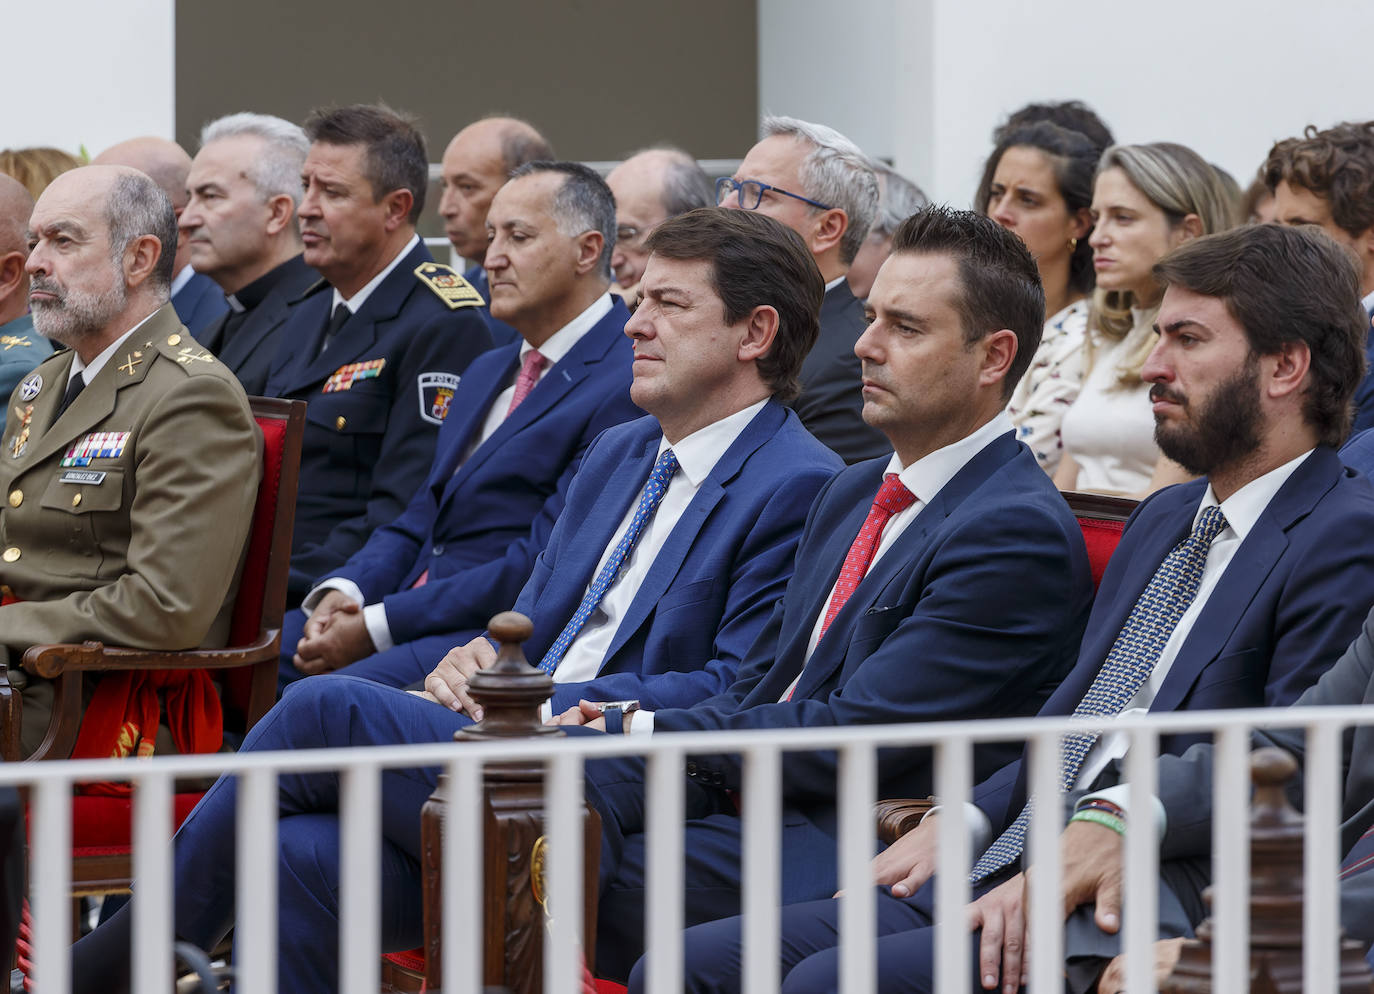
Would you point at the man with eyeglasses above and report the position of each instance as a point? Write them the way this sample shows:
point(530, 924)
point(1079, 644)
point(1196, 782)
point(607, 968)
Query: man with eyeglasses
point(650, 187)
point(816, 181)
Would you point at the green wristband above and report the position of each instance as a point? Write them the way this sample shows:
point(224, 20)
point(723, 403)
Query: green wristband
point(1117, 825)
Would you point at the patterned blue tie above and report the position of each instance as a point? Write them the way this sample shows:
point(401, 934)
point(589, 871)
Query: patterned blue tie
point(1128, 665)
point(654, 489)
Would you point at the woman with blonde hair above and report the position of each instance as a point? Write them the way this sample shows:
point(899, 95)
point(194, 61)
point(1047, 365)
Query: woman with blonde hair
point(1147, 200)
point(36, 167)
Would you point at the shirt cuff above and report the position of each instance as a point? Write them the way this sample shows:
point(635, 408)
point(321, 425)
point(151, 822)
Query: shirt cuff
point(374, 617)
point(975, 823)
point(344, 586)
point(546, 711)
point(1120, 795)
point(641, 723)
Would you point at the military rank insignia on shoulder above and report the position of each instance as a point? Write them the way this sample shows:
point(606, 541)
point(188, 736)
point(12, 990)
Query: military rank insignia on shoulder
point(449, 285)
point(436, 395)
point(10, 341)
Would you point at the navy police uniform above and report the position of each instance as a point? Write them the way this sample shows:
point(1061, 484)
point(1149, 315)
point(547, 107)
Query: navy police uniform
point(377, 393)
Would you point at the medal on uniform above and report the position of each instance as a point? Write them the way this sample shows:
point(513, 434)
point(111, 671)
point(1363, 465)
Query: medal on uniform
point(30, 387)
point(21, 440)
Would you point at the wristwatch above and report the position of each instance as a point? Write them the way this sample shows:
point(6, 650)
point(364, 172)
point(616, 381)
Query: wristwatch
point(615, 713)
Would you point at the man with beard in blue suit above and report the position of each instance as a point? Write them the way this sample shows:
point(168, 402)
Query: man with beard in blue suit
point(377, 347)
point(518, 424)
point(1237, 590)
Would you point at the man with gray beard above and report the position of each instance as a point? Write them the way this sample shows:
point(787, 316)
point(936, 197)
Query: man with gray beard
point(130, 465)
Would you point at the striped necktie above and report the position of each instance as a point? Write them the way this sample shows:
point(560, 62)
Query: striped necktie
point(1128, 665)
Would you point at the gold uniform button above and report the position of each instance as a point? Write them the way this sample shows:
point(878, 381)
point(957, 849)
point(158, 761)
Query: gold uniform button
point(340, 422)
point(16, 498)
point(76, 500)
point(11, 554)
point(174, 340)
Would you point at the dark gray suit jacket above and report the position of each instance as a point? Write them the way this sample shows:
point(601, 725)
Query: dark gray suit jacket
point(248, 351)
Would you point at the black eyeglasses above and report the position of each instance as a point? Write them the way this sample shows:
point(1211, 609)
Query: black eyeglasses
point(751, 193)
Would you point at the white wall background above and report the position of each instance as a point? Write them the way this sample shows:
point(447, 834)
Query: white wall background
point(924, 81)
point(88, 72)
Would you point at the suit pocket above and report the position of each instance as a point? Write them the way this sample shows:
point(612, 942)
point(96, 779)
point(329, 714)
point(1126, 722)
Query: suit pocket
point(877, 623)
point(692, 594)
point(1228, 671)
point(84, 518)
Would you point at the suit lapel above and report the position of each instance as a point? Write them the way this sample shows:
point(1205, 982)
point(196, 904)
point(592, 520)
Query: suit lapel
point(670, 557)
point(832, 650)
point(1250, 565)
point(490, 373)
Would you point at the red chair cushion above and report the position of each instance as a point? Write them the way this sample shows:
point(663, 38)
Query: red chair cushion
point(1101, 537)
point(247, 619)
point(103, 826)
point(609, 987)
point(412, 960)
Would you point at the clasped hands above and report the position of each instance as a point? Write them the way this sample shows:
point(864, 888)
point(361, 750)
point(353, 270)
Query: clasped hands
point(1091, 859)
point(447, 684)
point(335, 635)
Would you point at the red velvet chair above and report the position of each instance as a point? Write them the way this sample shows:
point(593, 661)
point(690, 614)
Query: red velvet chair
point(1101, 518)
point(246, 669)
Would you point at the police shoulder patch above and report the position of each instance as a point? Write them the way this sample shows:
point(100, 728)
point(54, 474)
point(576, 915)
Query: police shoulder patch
point(449, 285)
point(436, 395)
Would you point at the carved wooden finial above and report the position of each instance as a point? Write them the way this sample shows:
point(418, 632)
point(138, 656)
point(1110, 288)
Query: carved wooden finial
point(510, 691)
point(1276, 896)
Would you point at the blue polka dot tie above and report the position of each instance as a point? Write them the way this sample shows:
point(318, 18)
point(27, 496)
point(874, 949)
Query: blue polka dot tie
point(1128, 665)
point(654, 489)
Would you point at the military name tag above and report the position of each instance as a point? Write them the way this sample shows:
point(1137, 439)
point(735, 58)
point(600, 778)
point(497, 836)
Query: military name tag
point(30, 387)
point(90, 477)
point(344, 377)
point(449, 285)
point(436, 395)
point(98, 445)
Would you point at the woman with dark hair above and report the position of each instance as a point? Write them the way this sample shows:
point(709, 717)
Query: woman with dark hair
point(1039, 185)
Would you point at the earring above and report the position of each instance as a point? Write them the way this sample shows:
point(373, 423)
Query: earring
point(1073, 244)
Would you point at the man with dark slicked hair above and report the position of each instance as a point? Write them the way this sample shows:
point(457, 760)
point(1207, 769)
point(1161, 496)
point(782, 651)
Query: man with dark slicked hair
point(377, 347)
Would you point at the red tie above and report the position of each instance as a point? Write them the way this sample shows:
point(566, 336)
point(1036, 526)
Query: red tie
point(892, 498)
point(529, 376)
point(530, 369)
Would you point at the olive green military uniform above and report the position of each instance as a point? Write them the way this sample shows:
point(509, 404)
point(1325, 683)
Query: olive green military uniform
point(125, 519)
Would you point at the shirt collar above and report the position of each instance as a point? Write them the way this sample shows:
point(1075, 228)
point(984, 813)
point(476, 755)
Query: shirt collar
point(834, 283)
point(698, 453)
point(1243, 508)
point(250, 296)
point(928, 475)
point(180, 280)
point(355, 303)
point(562, 340)
point(1368, 302)
point(92, 369)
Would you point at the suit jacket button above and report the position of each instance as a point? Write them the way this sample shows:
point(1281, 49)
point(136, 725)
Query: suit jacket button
point(340, 422)
point(173, 340)
point(691, 767)
point(16, 498)
point(11, 554)
point(438, 550)
point(76, 500)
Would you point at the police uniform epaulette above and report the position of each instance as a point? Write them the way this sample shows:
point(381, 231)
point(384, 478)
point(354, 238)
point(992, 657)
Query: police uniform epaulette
point(25, 342)
point(184, 350)
point(449, 285)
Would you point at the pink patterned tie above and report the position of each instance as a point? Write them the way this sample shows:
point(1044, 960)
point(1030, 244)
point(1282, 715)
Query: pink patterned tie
point(892, 498)
point(530, 369)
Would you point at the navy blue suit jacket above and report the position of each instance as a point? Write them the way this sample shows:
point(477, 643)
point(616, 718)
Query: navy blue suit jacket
point(831, 402)
point(198, 303)
point(252, 348)
point(479, 529)
point(974, 612)
point(1292, 598)
point(1358, 452)
point(712, 585)
point(368, 446)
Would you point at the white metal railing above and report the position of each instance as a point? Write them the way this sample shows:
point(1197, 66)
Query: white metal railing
point(951, 742)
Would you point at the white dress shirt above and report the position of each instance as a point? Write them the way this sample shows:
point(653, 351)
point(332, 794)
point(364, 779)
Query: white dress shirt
point(1241, 510)
point(355, 302)
point(558, 345)
point(180, 280)
point(697, 455)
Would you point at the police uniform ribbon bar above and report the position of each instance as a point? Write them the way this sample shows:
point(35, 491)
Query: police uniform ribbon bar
point(344, 377)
